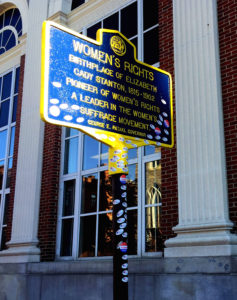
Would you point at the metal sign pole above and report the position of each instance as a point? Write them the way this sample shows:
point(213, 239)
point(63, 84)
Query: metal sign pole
point(120, 257)
point(118, 161)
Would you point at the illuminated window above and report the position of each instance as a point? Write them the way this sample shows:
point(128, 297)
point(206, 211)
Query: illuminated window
point(10, 29)
point(8, 104)
point(85, 207)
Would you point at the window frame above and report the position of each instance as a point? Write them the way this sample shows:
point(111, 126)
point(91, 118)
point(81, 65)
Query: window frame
point(146, 159)
point(4, 190)
point(141, 161)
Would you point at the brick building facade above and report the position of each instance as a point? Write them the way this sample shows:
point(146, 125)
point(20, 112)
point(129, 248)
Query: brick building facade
point(44, 221)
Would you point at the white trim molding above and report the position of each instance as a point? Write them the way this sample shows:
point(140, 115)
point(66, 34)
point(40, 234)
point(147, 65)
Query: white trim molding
point(204, 225)
point(24, 240)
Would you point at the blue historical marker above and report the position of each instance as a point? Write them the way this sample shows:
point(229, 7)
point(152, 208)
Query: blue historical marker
point(100, 87)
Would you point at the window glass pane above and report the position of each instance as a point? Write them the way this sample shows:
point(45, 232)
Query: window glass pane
point(4, 111)
point(129, 20)
point(1, 172)
point(90, 157)
point(106, 201)
point(2, 50)
point(154, 241)
point(9, 38)
point(151, 52)
point(91, 31)
point(7, 196)
point(1, 22)
point(104, 155)
point(66, 238)
point(68, 198)
point(71, 132)
point(132, 185)
point(132, 153)
point(16, 17)
point(3, 243)
point(9, 172)
point(87, 236)
point(19, 26)
point(105, 246)
point(14, 109)
point(134, 41)
point(76, 3)
point(5, 37)
point(6, 89)
point(9, 12)
point(151, 149)
point(70, 156)
point(17, 80)
point(150, 13)
point(12, 141)
point(8, 15)
point(153, 182)
point(3, 139)
point(89, 193)
point(112, 22)
point(132, 232)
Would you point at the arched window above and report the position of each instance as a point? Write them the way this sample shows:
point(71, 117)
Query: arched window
point(10, 29)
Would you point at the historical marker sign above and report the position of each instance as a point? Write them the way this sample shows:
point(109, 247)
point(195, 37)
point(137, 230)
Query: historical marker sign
point(100, 88)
